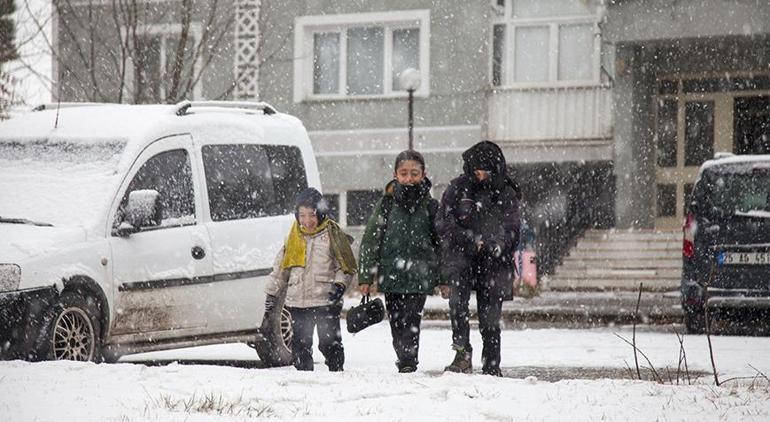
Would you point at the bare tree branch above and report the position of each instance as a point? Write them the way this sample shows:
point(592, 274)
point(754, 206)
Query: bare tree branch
point(181, 47)
point(712, 273)
point(636, 317)
point(682, 358)
point(655, 374)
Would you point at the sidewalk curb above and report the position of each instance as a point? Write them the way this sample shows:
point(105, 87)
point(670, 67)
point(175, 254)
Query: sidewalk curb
point(573, 307)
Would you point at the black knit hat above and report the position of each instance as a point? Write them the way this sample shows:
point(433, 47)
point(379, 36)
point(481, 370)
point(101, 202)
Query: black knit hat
point(311, 198)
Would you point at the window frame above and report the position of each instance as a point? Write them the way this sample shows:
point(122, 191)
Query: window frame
point(166, 31)
point(504, 16)
point(306, 27)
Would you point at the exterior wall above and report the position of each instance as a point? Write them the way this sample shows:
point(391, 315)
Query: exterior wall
point(635, 20)
point(356, 140)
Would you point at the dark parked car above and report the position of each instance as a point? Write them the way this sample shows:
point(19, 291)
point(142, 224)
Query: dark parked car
point(727, 233)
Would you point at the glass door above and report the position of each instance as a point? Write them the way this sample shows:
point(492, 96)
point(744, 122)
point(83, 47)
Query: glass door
point(689, 129)
point(697, 116)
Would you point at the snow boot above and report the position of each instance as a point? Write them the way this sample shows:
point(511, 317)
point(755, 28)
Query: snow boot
point(407, 369)
point(461, 363)
point(495, 372)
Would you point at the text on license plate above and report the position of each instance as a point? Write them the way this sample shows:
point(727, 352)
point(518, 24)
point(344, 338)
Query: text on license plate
point(746, 258)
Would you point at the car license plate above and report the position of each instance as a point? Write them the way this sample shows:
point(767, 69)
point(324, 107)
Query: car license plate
point(746, 258)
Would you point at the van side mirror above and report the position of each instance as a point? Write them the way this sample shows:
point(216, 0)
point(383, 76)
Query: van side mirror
point(144, 209)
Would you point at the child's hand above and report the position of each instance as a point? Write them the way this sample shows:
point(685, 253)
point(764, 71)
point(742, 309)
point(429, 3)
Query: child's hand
point(336, 292)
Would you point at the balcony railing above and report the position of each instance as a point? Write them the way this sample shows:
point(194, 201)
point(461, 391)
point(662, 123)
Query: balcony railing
point(563, 113)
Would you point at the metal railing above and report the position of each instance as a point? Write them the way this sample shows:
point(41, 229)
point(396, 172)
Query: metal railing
point(557, 236)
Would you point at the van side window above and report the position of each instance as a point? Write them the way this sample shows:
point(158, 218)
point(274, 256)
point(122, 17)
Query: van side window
point(238, 181)
point(170, 174)
point(289, 178)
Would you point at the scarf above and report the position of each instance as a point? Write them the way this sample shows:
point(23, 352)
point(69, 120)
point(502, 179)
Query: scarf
point(295, 247)
point(410, 196)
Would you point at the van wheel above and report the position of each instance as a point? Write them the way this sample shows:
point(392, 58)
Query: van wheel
point(695, 320)
point(273, 344)
point(71, 330)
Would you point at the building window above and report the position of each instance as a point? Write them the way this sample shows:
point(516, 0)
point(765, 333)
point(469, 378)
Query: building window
point(666, 133)
point(333, 204)
point(360, 206)
point(360, 55)
point(550, 43)
point(154, 60)
point(698, 132)
point(666, 200)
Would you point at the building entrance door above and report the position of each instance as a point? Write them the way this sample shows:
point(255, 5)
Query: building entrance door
point(689, 129)
point(696, 117)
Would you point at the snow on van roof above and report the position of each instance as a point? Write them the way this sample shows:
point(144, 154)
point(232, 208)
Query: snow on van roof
point(85, 124)
point(733, 160)
point(134, 126)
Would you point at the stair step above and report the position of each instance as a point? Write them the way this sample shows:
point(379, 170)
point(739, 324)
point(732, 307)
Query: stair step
point(619, 274)
point(633, 236)
point(625, 254)
point(621, 259)
point(625, 245)
point(599, 284)
point(570, 263)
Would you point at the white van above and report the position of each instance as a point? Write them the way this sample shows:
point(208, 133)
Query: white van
point(130, 228)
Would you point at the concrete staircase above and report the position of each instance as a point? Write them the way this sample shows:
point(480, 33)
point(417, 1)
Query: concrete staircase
point(620, 260)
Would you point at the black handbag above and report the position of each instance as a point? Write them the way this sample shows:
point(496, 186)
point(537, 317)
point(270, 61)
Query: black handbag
point(368, 312)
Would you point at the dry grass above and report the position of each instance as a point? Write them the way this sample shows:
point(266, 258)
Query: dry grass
point(211, 403)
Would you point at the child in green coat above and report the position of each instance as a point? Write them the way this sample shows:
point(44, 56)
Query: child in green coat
point(400, 251)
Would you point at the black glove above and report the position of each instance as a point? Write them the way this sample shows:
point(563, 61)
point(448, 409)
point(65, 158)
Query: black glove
point(269, 303)
point(336, 292)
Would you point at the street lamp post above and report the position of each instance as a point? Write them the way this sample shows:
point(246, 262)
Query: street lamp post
point(410, 81)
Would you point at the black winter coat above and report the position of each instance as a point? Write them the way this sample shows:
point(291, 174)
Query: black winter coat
point(474, 213)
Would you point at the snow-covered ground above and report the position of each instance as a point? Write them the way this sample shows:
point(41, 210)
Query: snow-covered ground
point(370, 389)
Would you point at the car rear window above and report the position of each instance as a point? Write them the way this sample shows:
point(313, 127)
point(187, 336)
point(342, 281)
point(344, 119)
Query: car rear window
point(734, 190)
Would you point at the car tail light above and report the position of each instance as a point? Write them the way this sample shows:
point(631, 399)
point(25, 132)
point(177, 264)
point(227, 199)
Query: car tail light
point(688, 245)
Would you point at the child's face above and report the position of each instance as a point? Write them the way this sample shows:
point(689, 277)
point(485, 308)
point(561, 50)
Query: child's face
point(481, 175)
point(308, 218)
point(409, 172)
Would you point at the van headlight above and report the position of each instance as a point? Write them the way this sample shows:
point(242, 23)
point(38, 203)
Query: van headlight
point(10, 277)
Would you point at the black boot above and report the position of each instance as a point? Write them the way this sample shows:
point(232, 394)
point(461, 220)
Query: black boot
point(462, 362)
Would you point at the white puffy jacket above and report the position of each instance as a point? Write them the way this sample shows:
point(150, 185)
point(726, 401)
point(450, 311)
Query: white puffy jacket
point(309, 286)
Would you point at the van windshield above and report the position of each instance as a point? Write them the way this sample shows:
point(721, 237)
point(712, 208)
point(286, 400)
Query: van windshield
point(56, 183)
point(740, 191)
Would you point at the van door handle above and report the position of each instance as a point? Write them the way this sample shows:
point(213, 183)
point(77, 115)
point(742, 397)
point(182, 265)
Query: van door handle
point(198, 252)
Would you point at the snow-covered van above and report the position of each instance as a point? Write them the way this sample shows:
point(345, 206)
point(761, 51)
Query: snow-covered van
point(128, 228)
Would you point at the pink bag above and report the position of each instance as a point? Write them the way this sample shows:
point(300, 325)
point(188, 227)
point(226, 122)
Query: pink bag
point(526, 268)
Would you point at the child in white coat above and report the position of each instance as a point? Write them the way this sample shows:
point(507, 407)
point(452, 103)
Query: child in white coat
point(315, 266)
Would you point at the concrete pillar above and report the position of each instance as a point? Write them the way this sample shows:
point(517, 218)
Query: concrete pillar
point(634, 138)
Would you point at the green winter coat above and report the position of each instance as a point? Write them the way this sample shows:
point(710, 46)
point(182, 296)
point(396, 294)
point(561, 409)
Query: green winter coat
point(400, 245)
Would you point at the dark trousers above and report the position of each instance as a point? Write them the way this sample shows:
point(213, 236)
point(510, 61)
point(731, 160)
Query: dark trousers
point(489, 300)
point(327, 319)
point(405, 314)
